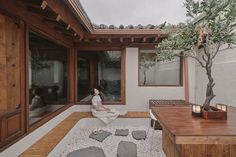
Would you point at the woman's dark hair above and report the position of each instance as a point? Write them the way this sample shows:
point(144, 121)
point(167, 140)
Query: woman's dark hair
point(100, 93)
point(37, 91)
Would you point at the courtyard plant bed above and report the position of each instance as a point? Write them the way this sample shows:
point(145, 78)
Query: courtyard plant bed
point(214, 113)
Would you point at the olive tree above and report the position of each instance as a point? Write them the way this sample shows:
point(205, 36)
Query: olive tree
point(210, 24)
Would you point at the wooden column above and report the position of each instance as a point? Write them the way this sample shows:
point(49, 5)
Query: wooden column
point(123, 76)
point(9, 64)
point(71, 75)
point(12, 101)
point(185, 78)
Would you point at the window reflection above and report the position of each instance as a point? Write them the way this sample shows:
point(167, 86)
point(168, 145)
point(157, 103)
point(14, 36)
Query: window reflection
point(104, 72)
point(158, 73)
point(47, 77)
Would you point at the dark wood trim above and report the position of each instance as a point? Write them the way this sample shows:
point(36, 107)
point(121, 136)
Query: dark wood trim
point(102, 46)
point(180, 77)
point(23, 77)
point(123, 76)
point(71, 75)
point(61, 9)
point(76, 74)
point(186, 78)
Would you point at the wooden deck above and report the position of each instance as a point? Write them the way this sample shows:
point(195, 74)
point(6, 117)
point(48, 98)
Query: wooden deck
point(185, 135)
point(46, 144)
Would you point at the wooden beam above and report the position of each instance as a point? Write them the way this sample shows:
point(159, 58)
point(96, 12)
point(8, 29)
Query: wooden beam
point(46, 13)
point(85, 46)
point(35, 22)
point(66, 14)
point(68, 27)
point(98, 40)
point(121, 40)
point(132, 39)
point(144, 40)
point(155, 39)
point(58, 18)
point(44, 5)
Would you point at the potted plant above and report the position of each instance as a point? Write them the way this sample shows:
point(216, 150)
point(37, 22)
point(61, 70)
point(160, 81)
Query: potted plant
point(210, 24)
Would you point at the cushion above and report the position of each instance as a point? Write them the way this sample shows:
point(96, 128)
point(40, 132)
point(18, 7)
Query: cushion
point(99, 135)
point(127, 149)
point(87, 152)
point(122, 132)
point(139, 135)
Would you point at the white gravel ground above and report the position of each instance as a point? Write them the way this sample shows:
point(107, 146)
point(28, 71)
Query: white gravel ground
point(109, 145)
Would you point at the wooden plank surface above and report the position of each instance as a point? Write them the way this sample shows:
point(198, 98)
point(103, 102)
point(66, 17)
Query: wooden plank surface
point(47, 143)
point(180, 122)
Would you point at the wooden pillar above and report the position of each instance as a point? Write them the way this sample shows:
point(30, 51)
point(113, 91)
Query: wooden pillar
point(186, 78)
point(12, 77)
point(71, 75)
point(9, 63)
point(123, 76)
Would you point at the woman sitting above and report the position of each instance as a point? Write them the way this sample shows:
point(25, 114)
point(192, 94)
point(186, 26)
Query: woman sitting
point(37, 107)
point(98, 110)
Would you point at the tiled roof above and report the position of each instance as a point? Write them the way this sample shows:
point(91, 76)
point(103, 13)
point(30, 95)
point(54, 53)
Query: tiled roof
point(149, 26)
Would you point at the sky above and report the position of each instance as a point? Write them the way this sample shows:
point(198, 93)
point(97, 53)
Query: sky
point(134, 11)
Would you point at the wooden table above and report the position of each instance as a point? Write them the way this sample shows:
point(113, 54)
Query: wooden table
point(188, 136)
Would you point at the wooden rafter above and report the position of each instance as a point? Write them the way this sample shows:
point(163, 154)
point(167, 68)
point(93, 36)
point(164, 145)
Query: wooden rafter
point(44, 5)
point(58, 18)
point(61, 9)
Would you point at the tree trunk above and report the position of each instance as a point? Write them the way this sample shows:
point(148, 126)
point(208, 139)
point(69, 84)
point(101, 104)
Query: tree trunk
point(209, 91)
point(145, 77)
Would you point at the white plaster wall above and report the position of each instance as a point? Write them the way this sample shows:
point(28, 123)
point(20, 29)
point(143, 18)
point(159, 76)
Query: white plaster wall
point(137, 97)
point(224, 73)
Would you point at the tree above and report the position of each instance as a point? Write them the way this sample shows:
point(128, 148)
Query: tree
point(145, 64)
point(201, 39)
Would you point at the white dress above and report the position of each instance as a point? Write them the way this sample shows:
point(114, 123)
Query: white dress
point(105, 116)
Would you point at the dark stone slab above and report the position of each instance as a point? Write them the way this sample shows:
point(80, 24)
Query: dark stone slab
point(100, 135)
point(127, 149)
point(87, 152)
point(122, 132)
point(139, 135)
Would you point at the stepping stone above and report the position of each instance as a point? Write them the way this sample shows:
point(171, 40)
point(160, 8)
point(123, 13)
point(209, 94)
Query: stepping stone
point(139, 135)
point(127, 149)
point(87, 152)
point(100, 136)
point(122, 132)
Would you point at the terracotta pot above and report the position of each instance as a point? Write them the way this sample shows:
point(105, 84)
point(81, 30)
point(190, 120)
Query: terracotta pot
point(215, 114)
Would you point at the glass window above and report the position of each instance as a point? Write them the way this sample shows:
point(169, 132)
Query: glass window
point(83, 77)
point(158, 73)
point(104, 72)
point(47, 77)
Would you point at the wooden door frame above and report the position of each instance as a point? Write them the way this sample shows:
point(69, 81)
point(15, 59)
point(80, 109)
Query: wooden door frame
point(123, 76)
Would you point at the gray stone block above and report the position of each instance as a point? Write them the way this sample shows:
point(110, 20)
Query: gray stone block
point(127, 149)
point(87, 152)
